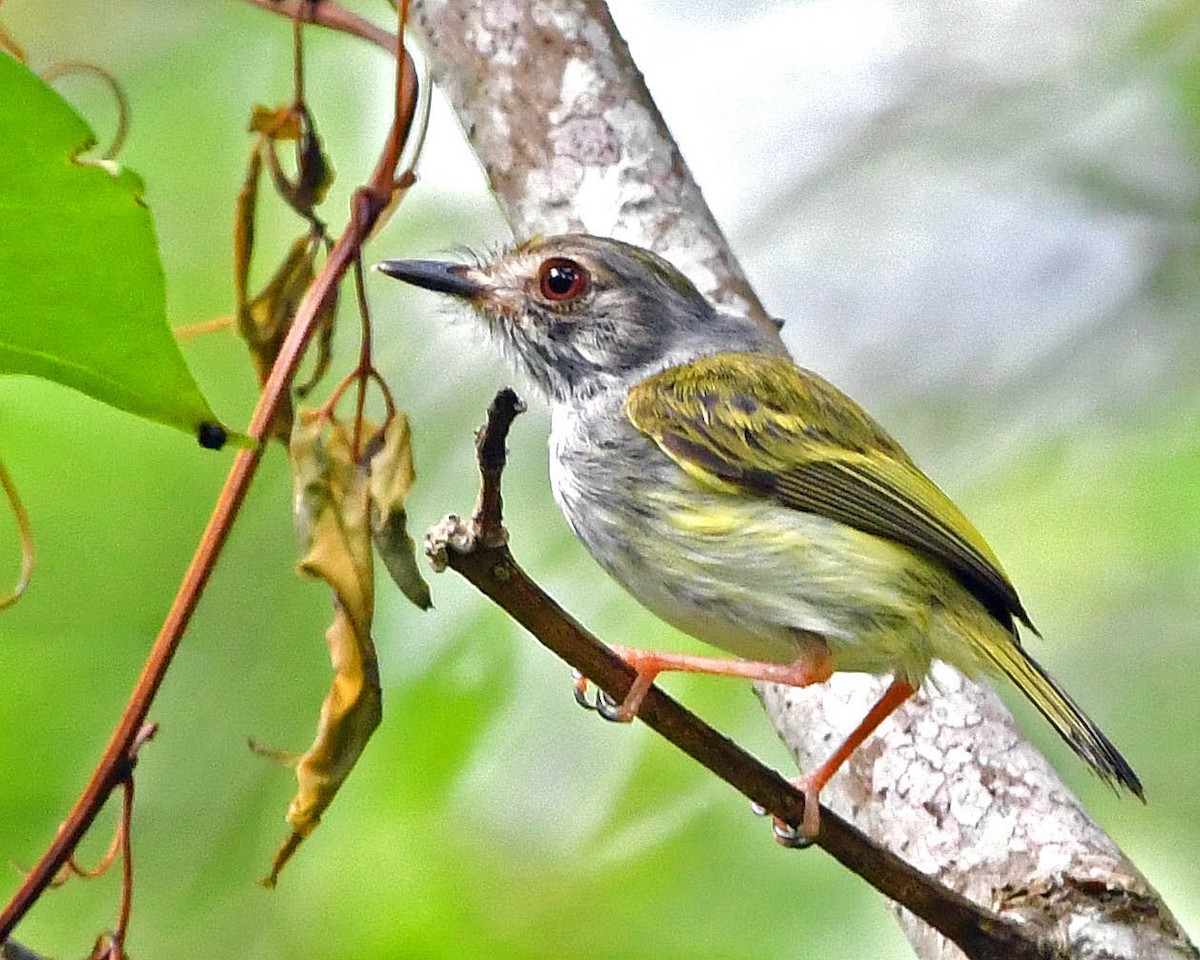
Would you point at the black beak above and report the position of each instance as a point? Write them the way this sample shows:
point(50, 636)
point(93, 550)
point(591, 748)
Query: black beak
point(451, 278)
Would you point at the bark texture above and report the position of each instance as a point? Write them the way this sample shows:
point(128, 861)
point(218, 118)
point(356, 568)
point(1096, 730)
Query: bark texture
point(951, 785)
point(568, 134)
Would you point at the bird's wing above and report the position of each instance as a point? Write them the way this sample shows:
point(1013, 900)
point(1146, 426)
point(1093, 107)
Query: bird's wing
point(758, 424)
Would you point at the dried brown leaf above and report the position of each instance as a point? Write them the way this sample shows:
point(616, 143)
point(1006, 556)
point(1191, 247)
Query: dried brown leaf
point(243, 231)
point(315, 174)
point(331, 506)
point(392, 477)
point(278, 123)
point(264, 321)
point(314, 171)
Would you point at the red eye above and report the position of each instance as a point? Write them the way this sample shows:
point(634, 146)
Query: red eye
point(560, 279)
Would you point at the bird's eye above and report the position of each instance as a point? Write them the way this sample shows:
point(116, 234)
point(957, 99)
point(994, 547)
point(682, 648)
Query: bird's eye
point(560, 279)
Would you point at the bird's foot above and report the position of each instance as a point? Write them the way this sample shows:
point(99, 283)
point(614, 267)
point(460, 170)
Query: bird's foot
point(809, 785)
point(793, 836)
point(606, 706)
point(786, 834)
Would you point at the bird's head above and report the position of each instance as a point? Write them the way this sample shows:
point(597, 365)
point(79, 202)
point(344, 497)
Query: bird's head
point(581, 314)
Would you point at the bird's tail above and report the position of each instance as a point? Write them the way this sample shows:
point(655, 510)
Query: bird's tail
point(1072, 724)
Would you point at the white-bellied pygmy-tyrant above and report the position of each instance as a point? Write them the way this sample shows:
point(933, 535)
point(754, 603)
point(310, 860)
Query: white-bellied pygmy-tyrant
point(744, 499)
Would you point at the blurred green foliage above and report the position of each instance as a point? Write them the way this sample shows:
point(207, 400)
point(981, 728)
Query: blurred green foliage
point(488, 816)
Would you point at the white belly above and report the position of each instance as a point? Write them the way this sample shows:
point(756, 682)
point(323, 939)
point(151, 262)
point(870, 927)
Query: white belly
point(743, 574)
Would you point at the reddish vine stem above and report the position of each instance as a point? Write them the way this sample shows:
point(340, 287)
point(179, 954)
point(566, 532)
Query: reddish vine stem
point(115, 948)
point(146, 733)
point(329, 14)
point(297, 62)
point(112, 946)
point(366, 205)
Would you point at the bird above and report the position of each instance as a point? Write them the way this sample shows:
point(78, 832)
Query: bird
point(744, 499)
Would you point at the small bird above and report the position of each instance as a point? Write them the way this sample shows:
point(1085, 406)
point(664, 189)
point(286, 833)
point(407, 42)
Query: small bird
point(744, 499)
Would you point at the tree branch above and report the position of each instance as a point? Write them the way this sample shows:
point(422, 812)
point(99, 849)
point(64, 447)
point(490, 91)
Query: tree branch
point(478, 550)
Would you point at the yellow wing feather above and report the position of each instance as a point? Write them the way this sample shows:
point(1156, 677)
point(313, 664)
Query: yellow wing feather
point(761, 425)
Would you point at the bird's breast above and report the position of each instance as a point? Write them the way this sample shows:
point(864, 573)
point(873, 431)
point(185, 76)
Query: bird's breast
point(745, 573)
point(643, 520)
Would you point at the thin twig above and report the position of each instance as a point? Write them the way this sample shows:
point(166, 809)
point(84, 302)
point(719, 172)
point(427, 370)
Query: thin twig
point(126, 834)
point(489, 565)
point(365, 207)
point(487, 520)
point(191, 331)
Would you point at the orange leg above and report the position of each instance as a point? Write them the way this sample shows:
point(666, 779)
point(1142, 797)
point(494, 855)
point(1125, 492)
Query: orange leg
point(813, 783)
point(814, 665)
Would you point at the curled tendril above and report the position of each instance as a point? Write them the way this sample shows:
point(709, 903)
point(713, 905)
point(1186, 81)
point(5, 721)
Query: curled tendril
point(413, 146)
point(64, 67)
point(8, 44)
point(26, 534)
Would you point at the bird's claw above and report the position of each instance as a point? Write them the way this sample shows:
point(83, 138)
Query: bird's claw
point(604, 705)
point(786, 834)
point(791, 836)
point(609, 709)
point(579, 685)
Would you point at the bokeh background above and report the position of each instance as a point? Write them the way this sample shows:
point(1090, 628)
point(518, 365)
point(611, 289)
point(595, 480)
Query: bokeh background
point(979, 218)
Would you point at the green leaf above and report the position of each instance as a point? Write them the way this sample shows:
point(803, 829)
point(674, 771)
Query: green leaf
point(82, 293)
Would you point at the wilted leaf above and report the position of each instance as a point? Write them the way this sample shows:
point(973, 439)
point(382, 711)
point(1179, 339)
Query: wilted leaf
point(265, 320)
point(314, 172)
point(278, 123)
point(392, 477)
point(331, 496)
point(243, 233)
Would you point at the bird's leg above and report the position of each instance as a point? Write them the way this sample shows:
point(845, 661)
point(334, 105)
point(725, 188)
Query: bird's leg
point(813, 665)
point(812, 784)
